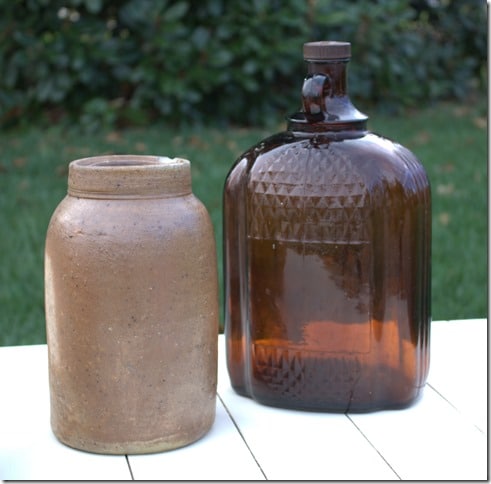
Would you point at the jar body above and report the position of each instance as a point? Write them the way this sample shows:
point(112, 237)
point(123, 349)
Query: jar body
point(132, 322)
point(327, 272)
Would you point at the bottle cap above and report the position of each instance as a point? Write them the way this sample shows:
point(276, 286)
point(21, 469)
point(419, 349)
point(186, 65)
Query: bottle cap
point(326, 50)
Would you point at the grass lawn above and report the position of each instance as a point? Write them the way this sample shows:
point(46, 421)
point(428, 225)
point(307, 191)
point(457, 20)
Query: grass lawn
point(450, 140)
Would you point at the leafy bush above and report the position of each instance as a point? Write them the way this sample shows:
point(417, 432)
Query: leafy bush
point(410, 52)
point(102, 62)
point(138, 58)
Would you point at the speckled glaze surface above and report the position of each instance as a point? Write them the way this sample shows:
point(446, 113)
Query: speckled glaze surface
point(131, 298)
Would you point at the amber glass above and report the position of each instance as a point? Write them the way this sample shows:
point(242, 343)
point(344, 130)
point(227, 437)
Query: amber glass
point(327, 261)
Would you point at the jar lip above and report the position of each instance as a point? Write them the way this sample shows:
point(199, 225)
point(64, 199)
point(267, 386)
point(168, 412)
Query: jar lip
point(129, 176)
point(105, 162)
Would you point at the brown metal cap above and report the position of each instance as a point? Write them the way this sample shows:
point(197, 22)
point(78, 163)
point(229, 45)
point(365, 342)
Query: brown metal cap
point(326, 50)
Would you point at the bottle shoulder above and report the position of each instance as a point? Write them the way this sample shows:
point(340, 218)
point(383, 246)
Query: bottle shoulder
point(367, 151)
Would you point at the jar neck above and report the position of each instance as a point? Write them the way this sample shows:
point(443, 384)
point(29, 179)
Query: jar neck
point(326, 105)
point(129, 177)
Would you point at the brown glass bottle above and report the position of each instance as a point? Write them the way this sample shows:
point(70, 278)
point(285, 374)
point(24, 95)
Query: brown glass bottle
point(327, 232)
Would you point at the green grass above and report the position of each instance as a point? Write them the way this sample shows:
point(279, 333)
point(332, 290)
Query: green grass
point(450, 140)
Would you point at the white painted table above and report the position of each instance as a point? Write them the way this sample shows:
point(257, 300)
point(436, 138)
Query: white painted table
point(442, 437)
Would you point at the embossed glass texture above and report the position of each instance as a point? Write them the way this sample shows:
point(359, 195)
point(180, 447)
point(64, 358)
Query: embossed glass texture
point(327, 264)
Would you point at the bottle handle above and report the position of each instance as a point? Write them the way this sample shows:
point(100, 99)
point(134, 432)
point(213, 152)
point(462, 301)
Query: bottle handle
point(316, 88)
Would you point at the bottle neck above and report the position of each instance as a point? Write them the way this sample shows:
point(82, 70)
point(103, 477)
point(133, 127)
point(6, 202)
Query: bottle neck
point(326, 105)
point(336, 71)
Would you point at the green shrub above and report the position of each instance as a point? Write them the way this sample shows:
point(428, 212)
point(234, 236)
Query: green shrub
point(141, 58)
point(103, 62)
point(407, 53)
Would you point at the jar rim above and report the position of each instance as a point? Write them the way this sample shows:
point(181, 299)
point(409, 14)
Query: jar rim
point(127, 161)
point(129, 176)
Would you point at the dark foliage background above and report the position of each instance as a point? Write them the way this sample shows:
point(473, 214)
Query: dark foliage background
point(100, 62)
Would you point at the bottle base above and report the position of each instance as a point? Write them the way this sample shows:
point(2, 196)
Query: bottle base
point(336, 407)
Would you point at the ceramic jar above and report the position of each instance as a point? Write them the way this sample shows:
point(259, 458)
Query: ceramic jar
point(131, 298)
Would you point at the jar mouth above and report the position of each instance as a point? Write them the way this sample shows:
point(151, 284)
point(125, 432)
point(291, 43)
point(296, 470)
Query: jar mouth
point(115, 161)
point(110, 163)
point(129, 176)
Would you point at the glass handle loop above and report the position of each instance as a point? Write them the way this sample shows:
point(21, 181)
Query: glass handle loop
point(316, 88)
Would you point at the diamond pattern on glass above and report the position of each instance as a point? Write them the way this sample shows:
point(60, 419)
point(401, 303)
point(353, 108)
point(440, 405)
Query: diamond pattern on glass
point(314, 198)
point(294, 373)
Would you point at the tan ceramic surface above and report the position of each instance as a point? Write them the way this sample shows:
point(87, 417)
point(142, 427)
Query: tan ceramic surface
point(131, 308)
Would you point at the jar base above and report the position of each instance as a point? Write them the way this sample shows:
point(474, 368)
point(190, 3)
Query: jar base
point(163, 444)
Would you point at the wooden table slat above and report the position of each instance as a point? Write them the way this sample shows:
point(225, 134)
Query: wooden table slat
point(442, 437)
point(429, 441)
point(292, 445)
point(459, 369)
point(217, 456)
point(28, 448)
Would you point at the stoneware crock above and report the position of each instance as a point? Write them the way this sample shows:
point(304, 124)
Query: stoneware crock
point(131, 299)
